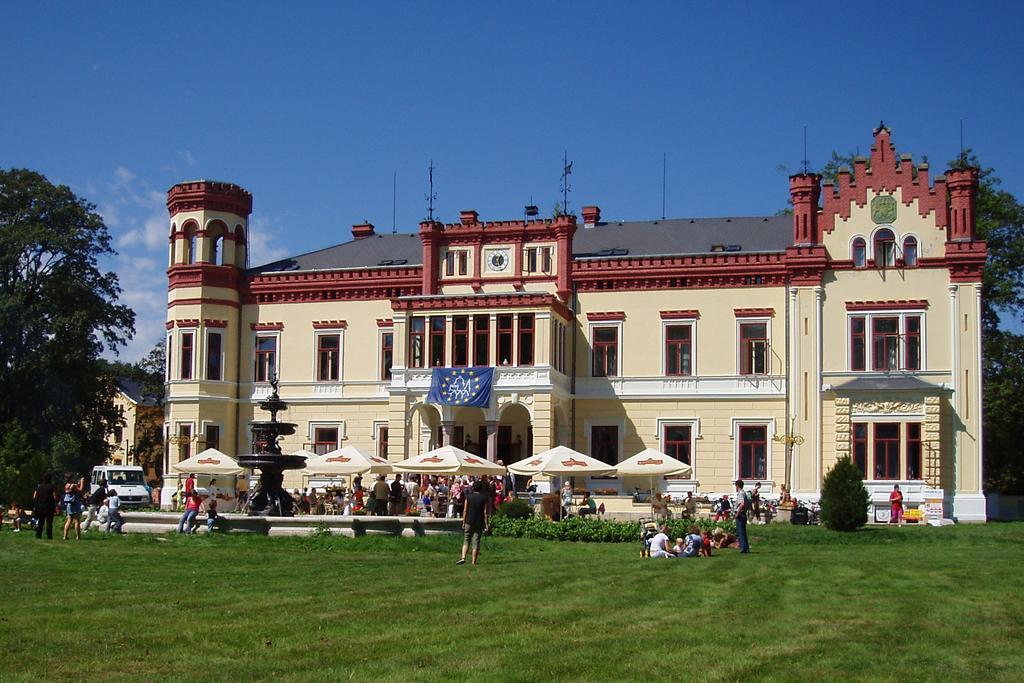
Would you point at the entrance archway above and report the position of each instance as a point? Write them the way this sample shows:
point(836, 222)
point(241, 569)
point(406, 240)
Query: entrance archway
point(515, 435)
point(424, 429)
point(470, 430)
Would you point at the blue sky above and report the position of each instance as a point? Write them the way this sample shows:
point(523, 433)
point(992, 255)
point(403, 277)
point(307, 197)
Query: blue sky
point(313, 107)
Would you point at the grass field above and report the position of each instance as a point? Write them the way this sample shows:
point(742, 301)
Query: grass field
point(807, 604)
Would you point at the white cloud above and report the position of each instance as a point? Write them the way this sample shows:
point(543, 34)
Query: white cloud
point(262, 243)
point(111, 214)
point(123, 175)
point(186, 156)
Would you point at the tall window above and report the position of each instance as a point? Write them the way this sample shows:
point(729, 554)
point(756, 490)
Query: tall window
point(678, 350)
point(505, 340)
point(328, 357)
point(185, 367)
point(481, 341)
point(325, 439)
point(537, 260)
point(545, 259)
point(912, 345)
point(887, 450)
point(191, 244)
point(895, 342)
point(885, 248)
point(910, 252)
point(449, 264)
point(859, 253)
point(604, 443)
point(913, 450)
point(860, 447)
point(437, 341)
point(168, 356)
point(460, 341)
point(526, 338)
point(213, 436)
point(753, 348)
point(885, 343)
point(456, 261)
point(266, 358)
point(753, 452)
point(417, 341)
point(858, 349)
point(387, 354)
point(184, 442)
point(217, 250)
point(463, 262)
point(213, 356)
point(606, 352)
point(676, 442)
point(382, 442)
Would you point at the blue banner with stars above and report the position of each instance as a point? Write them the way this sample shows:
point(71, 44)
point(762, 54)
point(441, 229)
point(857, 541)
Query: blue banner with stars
point(461, 387)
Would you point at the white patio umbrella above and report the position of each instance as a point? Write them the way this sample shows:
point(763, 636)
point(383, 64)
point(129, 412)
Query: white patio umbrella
point(652, 463)
point(210, 461)
point(346, 461)
point(449, 460)
point(560, 461)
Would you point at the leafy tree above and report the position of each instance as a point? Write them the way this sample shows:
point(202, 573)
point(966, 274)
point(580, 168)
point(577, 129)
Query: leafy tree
point(21, 466)
point(844, 500)
point(58, 311)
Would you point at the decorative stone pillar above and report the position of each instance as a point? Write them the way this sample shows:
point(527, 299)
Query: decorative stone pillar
point(492, 440)
point(843, 427)
point(932, 441)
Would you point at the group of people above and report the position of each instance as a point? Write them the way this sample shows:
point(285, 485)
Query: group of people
point(698, 543)
point(189, 521)
point(434, 495)
point(102, 505)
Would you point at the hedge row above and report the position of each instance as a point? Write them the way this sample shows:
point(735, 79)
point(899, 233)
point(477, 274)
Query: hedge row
point(591, 530)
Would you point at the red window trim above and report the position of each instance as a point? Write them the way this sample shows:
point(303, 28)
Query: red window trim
point(385, 373)
point(261, 360)
point(185, 368)
point(606, 316)
point(329, 445)
point(437, 340)
point(501, 333)
point(670, 343)
point(323, 354)
point(330, 325)
point(422, 336)
point(482, 339)
point(751, 474)
point(888, 305)
point(666, 443)
point(920, 451)
point(266, 327)
point(754, 312)
point(896, 441)
point(864, 440)
point(878, 360)
point(523, 332)
point(746, 364)
point(464, 336)
point(863, 363)
point(599, 349)
point(691, 314)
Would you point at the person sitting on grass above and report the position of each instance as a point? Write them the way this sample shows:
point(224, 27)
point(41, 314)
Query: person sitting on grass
point(659, 544)
point(694, 543)
point(587, 505)
point(705, 543)
point(722, 539)
point(680, 547)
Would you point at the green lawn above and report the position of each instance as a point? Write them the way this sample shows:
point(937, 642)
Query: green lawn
point(807, 604)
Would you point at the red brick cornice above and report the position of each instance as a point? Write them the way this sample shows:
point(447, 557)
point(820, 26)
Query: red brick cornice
point(187, 322)
point(385, 322)
point(680, 272)
point(196, 301)
point(330, 325)
point(210, 196)
point(966, 260)
point(753, 312)
point(266, 327)
point(202, 275)
point(210, 322)
point(338, 285)
point(680, 315)
point(888, 305)
point(606, 316)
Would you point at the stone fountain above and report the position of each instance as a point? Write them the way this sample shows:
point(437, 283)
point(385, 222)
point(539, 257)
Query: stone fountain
point(267, 496)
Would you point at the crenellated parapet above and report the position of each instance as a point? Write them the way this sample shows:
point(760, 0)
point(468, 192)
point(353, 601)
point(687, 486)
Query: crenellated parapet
point(887, 173)
point(209, 195)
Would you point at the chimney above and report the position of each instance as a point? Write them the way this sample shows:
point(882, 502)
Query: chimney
point(804, 190)
point(362, 230)
point(963, 193)
point(591, 216)
point(469, 217)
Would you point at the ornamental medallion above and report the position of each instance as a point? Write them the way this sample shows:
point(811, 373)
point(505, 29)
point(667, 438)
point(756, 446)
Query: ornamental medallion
point(883, 209)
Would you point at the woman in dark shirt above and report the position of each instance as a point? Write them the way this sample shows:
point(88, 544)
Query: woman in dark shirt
point(44, 499)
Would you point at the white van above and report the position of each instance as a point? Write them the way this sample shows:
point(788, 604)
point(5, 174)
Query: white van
point(130, 483)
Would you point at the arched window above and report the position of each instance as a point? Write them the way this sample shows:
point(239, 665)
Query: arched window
point(191, 244)
point(240, 246)
point(217, 251)
point(859, 249)
point(910, 252)
point(885, 248)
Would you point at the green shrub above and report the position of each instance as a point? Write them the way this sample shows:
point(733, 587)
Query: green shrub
point(517, 508)
point(581, 529)
point(844, 500)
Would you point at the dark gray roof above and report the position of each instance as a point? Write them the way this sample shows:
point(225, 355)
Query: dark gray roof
point(404, 249)
point(683, 236)
point(135, 391)
point(612, 238)
point(887, 383)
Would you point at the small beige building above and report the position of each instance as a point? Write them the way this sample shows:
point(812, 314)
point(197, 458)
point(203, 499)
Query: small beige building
point(760, 348)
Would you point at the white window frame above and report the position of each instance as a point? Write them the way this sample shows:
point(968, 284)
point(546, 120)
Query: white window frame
point(767, 351)
point(207, 331)
point(323, 332)
point(178, 424)
point(869, 346)
point(381, 331)
point(325, 424)
point(900, 253)
point(620, 345)
point(734, 434)
point(169, 357)
point(204, 424)
point(867, 251)
point(454, 251)
point(897, 245)
point(377, 426)
point(540, 247)
point(694, 424)
point(277, 356)
point(665, 323)
point(196, 349)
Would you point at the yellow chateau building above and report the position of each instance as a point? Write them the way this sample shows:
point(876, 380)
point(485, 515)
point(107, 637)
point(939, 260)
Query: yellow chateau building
point(757, 347)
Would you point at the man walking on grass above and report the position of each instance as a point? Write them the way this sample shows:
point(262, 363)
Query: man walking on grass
point(475, 520)
point(742, 507)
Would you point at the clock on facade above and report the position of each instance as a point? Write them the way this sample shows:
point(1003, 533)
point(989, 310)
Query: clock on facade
point(497, 260)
